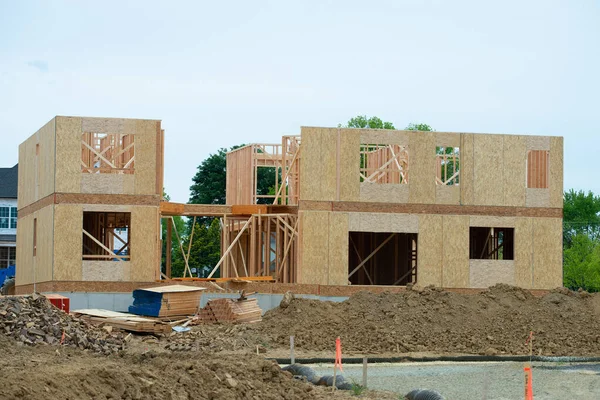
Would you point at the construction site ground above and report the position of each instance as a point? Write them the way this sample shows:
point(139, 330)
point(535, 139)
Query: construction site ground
point(220, 361)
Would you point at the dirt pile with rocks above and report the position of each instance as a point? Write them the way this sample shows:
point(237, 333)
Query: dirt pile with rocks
point(496, 321)
point(33, 320)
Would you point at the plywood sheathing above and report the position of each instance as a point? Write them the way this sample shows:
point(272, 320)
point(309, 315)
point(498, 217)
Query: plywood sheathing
point(145, 156)
point(429, 269)
point(379, 136)
point(315, 247)
point(421, 167)
point(68, 154)
point(68, 224)
point(447, 139)
point(38, 268)
point(486, 221)
point(348, 156)
point(467, 169)
point(338, 249)
point(538, 197)
point(36, 172)
point(240, 176)
point(556, 172)
point(515, 158)
point(489, 170)
point(486, 273)
point(144, 243)
point(318, 172)
point(538, 142)
point(370, 222)
point(524, 252)
point(445, 194)
point(108, 183)
point(383, 192)
point(547, 253)
point(97, 270)
point(455, 251)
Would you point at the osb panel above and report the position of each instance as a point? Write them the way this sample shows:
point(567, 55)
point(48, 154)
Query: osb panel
point(144, 243)
point(110, 125)
point(556, 172)
point(381, 222)
point(315, 247)
point(36, 173)
point(467, 169)
point(68, 154)
point(68, 223)
point(384, 192)
point(445, 194)
point(538, 197)
point(318, 175)
point(421, 167)
point(145, 157)
point(106, 270)
point(107, 183)
point(486, 273)
point(515, 158)
point(382, 136)
point(447, 139)
point(486, 221)
point(538, 142)
point(38, 268)
point(338, 249)
point(547, 253)
point(523, 252)
point(489, 171)
point(429, 257)
point(455, 272)
point(349, 164)
point(107, 208)
point(43, 262)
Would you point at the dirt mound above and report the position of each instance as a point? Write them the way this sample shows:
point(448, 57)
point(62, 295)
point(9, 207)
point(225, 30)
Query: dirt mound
point(33, 320)
point(44, 372)
point(496, 321)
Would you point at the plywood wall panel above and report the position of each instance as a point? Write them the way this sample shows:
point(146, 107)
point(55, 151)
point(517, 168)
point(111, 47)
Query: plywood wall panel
point(349, 165)
point(488, 170)
point(68, 154)
point(445, 194)
point(524, 252)
point(515, 158)
point(486, 221)
point(538, 142)
point(315, 247)
point(145, 157)
point(447, 139)
point(384, 192)
point(538, 198)
point(486, 273)
point(110, 125)
point(383, 222)
point(144, 243)
point(38, 268)
point(455, 246)
point(467, 194)
point(429, 263)
point(338, 249)
point(106, 270)
point(384, 136)
point(421, 167)
point(108, 183)
point(68, 223)
point(318, 174)
point(24, 254)
point(547, 253)
point(556, 172)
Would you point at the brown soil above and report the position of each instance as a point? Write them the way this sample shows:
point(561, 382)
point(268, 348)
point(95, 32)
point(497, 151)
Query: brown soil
point(497, 321)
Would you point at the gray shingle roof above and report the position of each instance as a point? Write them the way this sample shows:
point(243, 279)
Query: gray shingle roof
point(9, 178)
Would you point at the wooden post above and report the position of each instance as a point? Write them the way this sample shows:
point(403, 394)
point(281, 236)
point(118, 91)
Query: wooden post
point(168, 249)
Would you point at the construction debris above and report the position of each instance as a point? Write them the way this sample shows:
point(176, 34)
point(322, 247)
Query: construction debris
point(127, 322)
point(242, 310)
point(166, 301)
point(33, 320)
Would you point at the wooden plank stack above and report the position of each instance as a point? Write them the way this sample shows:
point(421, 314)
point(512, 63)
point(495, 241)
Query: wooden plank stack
point(166, 301)
point(232, 311)
point(127, 322)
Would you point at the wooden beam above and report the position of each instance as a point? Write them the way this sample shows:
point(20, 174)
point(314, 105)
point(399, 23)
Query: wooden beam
point(169, 246)
point(120, 258)
point(229, 248)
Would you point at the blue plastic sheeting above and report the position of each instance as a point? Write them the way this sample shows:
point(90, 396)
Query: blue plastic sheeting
point(146, 303)
point(6, 273)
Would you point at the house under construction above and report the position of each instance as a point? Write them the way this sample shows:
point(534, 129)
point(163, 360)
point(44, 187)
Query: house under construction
point(349, 207)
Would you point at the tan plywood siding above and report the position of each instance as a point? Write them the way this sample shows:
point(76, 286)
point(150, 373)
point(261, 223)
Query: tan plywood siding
point(524, 252)
point(318, 164)
point(68, 225)
point(338, 249)
point(109, 125)
point(487, 221)
point(547, 253)
point(240, 176)
point(421, 167)
point(315, 247)
point(384, 192)
point(36, 173)
point(106, 270)
point(429, 264)
point(384, 136)
point(455, 251)
point(445, 194)
point(144, 243)
point(68, 154)
point(108, 183)
point(515, 158)
point(38, 268)
point(145, 156)
point(556, 172)
point(349, 164)
point(383, 222)
point(486, 273)
point(467, 164)
point(538, 198)
point(489, 171)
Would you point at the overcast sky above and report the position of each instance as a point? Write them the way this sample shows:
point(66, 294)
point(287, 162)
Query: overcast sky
point(222, 73)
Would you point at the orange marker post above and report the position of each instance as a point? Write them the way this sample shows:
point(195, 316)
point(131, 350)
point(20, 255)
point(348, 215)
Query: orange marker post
point(338, 360)
point(528, 382)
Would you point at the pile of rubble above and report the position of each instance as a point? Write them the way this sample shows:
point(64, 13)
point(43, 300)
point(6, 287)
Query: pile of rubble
point(33, 320)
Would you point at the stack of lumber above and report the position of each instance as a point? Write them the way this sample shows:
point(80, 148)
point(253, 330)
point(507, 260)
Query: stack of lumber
point(230, 310)
point(166, 301)
point(127, 322)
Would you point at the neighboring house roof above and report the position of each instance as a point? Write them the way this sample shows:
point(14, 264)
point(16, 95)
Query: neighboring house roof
point(9, 178)
point(8, 238)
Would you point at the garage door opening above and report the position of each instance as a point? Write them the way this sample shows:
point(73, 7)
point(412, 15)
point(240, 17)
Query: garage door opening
point(382, 258)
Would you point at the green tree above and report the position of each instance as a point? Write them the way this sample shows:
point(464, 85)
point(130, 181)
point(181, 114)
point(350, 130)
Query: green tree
point(362, 121)
point(581, 215)
point(418, 127)
point(582, 263)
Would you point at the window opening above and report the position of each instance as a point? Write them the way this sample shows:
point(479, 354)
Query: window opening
point(384, 163)
point(106, 236)
point(107, 153)
point(491, 243)
point(447, 166)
